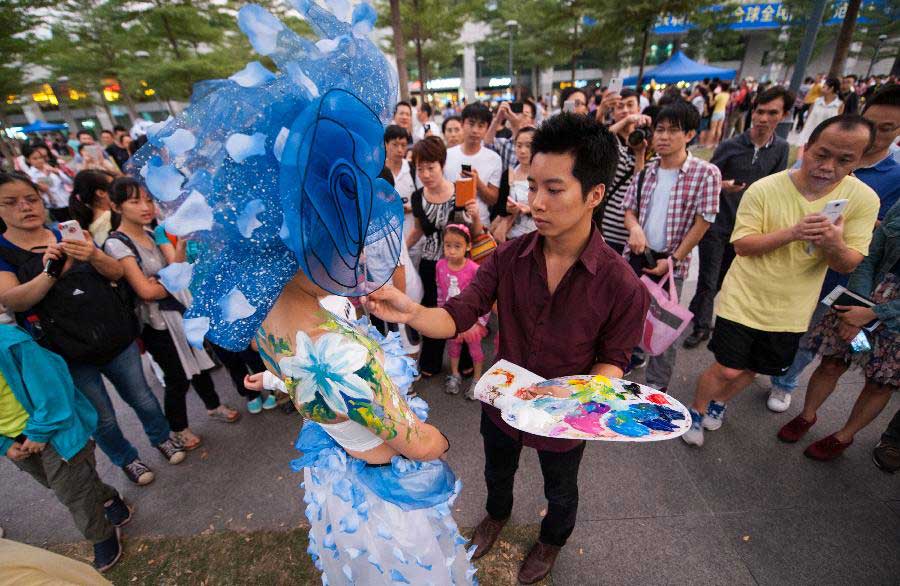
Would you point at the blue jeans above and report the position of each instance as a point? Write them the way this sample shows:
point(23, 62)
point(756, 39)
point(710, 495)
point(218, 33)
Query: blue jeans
point(125, 373)
point(788, 381)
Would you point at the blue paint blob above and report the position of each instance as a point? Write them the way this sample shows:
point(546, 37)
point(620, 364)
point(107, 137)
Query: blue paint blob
point(623, 422)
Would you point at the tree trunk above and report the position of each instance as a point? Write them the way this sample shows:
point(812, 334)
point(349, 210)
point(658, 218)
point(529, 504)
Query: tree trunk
point(420, 58)
point(400, 50)
point(171, 36)
point(845, 37)
point(644, 46)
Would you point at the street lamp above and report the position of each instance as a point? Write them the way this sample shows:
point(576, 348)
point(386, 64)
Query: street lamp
point(511, 26)
point(881, 40)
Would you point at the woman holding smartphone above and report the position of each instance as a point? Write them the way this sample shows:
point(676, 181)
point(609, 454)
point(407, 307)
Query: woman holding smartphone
point(434, 207)
point(519, 221)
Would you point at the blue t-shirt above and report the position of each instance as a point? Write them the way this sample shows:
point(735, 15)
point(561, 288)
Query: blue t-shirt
point(4, 243)
point(884, 179)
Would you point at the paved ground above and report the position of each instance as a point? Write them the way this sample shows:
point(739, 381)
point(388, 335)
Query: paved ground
point(745, 509)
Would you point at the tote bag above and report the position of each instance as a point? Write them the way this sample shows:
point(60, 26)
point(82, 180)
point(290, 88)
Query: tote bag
point(666, 319)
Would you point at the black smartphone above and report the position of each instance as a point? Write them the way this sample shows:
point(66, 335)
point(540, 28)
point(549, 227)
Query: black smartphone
point(467, 168)
point(54, 267)
point(516, 107)
point(649, 258)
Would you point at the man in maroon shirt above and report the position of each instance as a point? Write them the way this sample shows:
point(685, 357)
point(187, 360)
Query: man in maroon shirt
point(567, 304)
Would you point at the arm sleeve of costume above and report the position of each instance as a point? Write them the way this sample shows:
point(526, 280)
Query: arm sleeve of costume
point(116, 249)
point(53, 409)
point(622, 332)
point(273, 383)
point(749, 218)
point(478, 298)
point(159, 236)
point(858, 223)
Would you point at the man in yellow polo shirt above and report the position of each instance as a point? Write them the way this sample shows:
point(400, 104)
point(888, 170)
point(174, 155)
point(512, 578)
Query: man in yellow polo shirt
point(784, 246)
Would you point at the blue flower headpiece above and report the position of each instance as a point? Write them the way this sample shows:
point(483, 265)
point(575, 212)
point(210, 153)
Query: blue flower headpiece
point(275, 172)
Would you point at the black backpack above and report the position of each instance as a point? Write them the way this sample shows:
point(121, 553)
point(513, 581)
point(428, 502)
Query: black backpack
point(84, 318)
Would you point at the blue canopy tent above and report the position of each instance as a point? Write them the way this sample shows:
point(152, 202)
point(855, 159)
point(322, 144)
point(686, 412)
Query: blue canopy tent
point(680, 67)
point(41, 126)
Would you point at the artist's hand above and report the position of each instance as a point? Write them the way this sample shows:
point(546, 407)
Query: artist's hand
point(661, 268)
point(847, 332)
point(637, 240)
point(33, 447)
point(534, 392)
point(254, 382)
point(84, 251)
point(16, 453)
point(390, 305)
point(855, 315)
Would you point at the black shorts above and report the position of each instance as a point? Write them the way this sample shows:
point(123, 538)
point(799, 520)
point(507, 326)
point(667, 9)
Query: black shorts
point(744, 348)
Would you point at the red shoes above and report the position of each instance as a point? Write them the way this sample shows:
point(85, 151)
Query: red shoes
point(795, 429)
point(827, 448)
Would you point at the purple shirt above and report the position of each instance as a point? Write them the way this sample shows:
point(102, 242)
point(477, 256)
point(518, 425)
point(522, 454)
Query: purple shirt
point(596, 315)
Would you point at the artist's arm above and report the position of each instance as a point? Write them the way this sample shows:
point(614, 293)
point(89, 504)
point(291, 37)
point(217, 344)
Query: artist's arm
point(621, 332)
point(389, 304)
point(608, 370)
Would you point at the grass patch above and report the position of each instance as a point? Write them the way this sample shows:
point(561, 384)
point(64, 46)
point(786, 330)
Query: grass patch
point(266, 557)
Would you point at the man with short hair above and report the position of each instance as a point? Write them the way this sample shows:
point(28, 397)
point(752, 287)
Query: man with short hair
point(403, 116)
point(668, 207)
point(743, 159)
point(549, 325)
point(484, 165)
point(425, 125)
point(848, 94)
point(626, 114)
point(784, 246)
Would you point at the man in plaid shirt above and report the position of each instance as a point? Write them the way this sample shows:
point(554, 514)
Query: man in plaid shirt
point(668, 208)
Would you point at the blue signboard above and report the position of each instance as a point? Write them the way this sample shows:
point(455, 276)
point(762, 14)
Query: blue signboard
point(764, 16)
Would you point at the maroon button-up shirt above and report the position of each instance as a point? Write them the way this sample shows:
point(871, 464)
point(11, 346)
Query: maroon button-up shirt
point(596, 315)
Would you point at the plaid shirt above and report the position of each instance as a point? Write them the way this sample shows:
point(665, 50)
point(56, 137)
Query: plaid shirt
point(506, 148)
point(696, 191)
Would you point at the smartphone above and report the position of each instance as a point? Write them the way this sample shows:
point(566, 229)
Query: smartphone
point(71, 231)
point(428, 128)
point(615, 85)
point(467, 168)
point(569, 106)
point(465, 192)
point(516, 107)
point(834, 209)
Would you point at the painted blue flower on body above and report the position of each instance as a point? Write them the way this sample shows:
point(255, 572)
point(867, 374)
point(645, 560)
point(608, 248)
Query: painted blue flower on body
point(327, 367)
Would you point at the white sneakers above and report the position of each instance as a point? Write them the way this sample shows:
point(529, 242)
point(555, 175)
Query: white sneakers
point(694, 435)
point(779, 400)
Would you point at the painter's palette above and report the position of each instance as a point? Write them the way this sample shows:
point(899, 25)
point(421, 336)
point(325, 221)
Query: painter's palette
point(582, 406)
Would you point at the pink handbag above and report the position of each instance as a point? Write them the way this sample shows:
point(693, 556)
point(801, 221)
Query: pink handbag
point(666, 318)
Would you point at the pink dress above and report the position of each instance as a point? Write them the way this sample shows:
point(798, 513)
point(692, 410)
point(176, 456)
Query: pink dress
point(451, 283)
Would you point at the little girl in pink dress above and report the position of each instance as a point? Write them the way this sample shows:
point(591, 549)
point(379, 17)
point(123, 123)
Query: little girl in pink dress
point(454, 272)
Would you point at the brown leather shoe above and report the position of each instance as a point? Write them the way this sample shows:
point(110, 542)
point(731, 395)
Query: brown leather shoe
point(538, 563)
point(485, 535)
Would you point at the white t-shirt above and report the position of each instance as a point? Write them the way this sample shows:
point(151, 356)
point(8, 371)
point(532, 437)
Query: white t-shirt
point(419, 130)
point(486, 162)
point(657, 209)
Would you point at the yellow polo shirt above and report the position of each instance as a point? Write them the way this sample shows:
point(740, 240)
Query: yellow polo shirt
point(778, 291)
point(12, 415)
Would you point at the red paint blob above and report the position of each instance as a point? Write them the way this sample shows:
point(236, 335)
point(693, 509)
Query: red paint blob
point(658, 398)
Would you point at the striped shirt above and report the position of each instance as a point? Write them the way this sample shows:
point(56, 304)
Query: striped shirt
point(613, 225)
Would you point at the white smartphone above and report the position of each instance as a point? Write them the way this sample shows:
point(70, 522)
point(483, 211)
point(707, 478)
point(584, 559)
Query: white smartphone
point(615, 85)
point(832, 211)
point(71, 231)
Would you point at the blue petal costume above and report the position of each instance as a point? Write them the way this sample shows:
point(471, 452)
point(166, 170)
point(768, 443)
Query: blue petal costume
point(275, 172)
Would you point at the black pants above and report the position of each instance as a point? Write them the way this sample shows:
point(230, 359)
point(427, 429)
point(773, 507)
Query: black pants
point(560, 471)
point(240, 364)
point(716, 256)
point(891, 435)
point(160, 345)
point(431, 360)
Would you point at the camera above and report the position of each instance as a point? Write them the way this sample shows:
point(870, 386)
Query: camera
point(639, 135)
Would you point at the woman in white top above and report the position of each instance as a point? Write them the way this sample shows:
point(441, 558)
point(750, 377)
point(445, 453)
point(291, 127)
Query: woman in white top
point(826, 106)
point(519, 221)
point(53, 184)
point(161, 312)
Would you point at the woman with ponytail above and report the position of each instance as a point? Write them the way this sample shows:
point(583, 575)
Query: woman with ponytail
point(89, 203)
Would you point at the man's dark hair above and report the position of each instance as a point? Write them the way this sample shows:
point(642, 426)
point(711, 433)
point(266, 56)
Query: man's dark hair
point(567, 93)
point(853, 76)
point(844, 122)
point(590, 143)
point(834, 83)
point(119, 128)
point(402, 103)
point(679, 114)
point(414, 101)
point(105, 131)
point(448, 119)
point(629, 93)
point(394, 132)
point(477, 112)
point(85, 131)
point(426, 107)
point(776, 93)
point(888, 95)
point(808, 80)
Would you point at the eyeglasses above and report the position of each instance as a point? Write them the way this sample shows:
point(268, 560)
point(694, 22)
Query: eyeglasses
point(31, 200)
